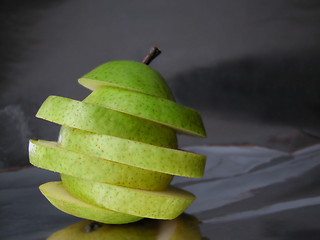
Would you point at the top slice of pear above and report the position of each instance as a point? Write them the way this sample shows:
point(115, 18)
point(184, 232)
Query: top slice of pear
point(156, 109)
point(130, 75)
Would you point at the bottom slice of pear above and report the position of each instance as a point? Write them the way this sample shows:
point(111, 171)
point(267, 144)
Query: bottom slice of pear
point(166, 204)
point(61, 199)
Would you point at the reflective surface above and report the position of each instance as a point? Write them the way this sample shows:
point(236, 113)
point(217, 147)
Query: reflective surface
point(248, 192)
point(183, 227)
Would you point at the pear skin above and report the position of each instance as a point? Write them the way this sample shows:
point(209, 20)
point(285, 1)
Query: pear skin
point(48, 155)
point(166, 204)
point(61, 199)
point(159, 110)
point(85, 116)
point(130, 75)
point(133, 153)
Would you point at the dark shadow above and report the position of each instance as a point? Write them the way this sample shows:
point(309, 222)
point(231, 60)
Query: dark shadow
point(282, 88)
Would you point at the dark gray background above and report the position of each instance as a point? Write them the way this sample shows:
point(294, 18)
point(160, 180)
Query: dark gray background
point(250, 67)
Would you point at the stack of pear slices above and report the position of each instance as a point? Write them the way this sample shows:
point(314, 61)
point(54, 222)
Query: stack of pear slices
point(117, 149)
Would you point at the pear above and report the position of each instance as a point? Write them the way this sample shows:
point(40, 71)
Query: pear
point(61, 199)
point(50, 156)
point(130, 75)
point(160, 110)
point(133, 153)
point(184, 227)
point(101, 120)
point(166, 204)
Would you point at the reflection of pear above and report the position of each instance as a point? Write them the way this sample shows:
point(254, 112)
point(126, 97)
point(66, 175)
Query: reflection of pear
point(185, 227)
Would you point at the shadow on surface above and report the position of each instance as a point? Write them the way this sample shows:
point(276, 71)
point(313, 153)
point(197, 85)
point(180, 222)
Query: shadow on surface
point(279, 89)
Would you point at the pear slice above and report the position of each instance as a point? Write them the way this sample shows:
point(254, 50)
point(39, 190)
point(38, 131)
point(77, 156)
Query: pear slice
point(130, 75)
point(137, 154)
point(160, 110)
point(50, 156)
point(101, 120)
point(184, 227)
point(166, 204)
point(61, 199)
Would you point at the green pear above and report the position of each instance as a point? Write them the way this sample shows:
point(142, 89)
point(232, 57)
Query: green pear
point(133, 153)
point(160, 110)
point(130, 75)
point(166, 204)
point(50, 156)
point(184, 227)
point(101, 120)
point(61, 199)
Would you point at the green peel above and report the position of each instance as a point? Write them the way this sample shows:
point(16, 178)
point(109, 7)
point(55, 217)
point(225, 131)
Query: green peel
point(48, 155)
point(101, 120)
point(159, 110)
point(166, 204)
point(61, 199)
point(137, 154)
point(130, 75)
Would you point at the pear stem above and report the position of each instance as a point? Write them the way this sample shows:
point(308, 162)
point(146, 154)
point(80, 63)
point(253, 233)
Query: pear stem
point(152, 54)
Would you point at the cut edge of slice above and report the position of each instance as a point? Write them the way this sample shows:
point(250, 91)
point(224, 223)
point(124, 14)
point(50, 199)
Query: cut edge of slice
point(61, 199)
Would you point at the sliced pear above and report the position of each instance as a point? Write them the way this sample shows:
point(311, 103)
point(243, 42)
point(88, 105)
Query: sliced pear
point(61, 199)
point(160, 110)
point(50, 156)
point(130, 75)
point(142, 155)
point(101, 120)
point(167, 204)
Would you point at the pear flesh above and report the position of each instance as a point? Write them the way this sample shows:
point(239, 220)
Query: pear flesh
point(160, 110)
point(61, 199)
point(101, 120)
point(166, 204)
point(133, 153)
point(130, 75)
point(48, 155)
